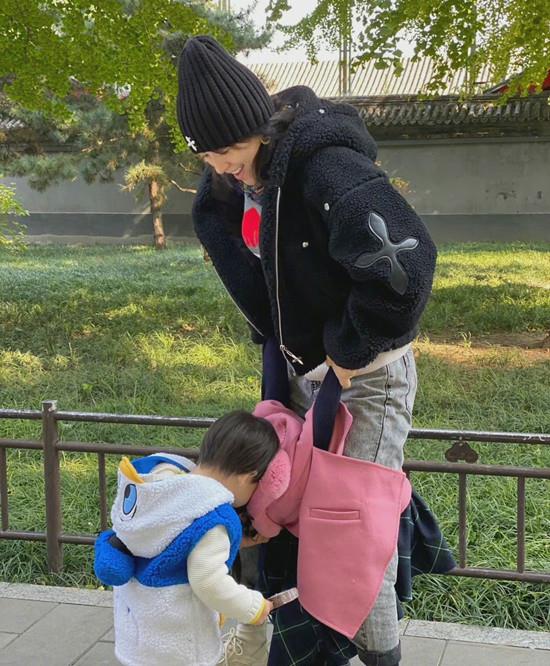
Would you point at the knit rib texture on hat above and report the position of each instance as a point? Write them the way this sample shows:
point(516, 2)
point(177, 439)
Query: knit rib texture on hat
point(220, 101)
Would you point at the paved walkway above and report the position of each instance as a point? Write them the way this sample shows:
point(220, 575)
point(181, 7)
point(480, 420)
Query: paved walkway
point(54, 626)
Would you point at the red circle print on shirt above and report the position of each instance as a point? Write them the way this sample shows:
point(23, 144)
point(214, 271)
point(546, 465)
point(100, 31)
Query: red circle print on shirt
point(251, 227)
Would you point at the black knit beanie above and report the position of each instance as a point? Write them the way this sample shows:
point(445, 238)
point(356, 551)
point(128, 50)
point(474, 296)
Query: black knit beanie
point(220, 102)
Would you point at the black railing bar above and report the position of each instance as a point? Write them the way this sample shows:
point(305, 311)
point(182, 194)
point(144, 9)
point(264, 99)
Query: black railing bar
point(125, 449)
point(21, 444)
point(52, 486)
point(98, 417)
point(4, 505)
point(102, 482)
point(520, 527)
point(501, 574)
point(24, 414)
point(204, 422)
point(477, 470)
point(481, 436)
point(468, 572)
point(462, 520)
point(15, 535)
point(78, 539)
point(409, 466)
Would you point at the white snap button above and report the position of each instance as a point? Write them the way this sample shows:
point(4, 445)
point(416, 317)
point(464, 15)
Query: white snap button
point(321, 110)
point(305, 244)
point(326, 207)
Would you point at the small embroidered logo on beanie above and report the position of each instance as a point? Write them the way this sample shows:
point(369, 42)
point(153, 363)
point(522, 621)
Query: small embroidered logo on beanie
point(191, 143)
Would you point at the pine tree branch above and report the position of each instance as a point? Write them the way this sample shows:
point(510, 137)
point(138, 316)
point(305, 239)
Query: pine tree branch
point(187, 169)
point(190, 190)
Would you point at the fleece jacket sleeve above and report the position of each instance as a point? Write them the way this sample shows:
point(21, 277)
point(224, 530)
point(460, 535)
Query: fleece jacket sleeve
point(376, 236)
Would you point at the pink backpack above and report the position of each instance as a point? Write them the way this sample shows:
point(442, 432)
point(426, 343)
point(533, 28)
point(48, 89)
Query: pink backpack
point(345, 511)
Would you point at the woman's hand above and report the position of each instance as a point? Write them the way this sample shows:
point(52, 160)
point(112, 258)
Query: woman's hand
point(256, 540)
point(344, 374)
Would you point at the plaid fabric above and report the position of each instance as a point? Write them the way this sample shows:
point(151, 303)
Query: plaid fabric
point(421, 547)
point(298, 638)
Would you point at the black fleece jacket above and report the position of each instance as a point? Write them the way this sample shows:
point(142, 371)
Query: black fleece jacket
point(346, 264)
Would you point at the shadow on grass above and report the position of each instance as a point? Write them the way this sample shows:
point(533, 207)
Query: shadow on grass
point(452, 394)
point(480, 308)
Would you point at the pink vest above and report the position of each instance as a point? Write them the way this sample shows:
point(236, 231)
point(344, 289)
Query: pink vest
point(345, 512)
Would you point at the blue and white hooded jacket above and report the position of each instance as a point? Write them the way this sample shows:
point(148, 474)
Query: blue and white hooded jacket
point(159, 515)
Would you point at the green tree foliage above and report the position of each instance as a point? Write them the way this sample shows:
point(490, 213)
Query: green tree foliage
point(95, 86)
point(95, 144)
point(513, 36)
point(11, 232)
point(47, 44)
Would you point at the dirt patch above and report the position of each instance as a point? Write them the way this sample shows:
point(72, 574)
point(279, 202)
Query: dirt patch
point(536, 340)
point(485, 352)
point(522, 340)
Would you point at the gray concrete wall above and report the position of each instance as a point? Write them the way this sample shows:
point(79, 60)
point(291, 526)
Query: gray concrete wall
point(79, 197)
point(472, 190)
point(75, 208)
point(465, 190)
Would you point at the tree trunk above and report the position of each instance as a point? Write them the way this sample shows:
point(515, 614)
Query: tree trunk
point(158, 228)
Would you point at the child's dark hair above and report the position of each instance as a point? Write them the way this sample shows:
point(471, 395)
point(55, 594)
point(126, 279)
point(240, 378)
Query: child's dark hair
point(239, 443)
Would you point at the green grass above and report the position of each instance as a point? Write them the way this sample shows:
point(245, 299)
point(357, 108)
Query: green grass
point(136, 331)
point(491, 288)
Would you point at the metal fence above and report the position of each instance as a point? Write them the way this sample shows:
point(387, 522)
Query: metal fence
point(461, 459)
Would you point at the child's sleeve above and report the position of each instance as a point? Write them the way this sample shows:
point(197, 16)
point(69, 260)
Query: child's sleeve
point(210, 579)
point(113, 563)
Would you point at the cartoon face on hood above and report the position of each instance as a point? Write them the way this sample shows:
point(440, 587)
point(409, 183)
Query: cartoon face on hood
point(157, 498)
point(135, 479)
point(134, 485)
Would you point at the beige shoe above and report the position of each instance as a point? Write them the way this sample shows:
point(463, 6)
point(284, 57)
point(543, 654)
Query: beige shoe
point(245, 645)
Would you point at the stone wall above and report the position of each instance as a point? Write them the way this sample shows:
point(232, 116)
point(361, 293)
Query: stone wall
point(465, 190)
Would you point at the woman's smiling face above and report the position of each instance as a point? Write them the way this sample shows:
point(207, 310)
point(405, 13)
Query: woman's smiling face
point(236, 160)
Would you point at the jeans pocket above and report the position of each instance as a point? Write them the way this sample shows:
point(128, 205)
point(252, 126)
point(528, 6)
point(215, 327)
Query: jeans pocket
point(411, 381)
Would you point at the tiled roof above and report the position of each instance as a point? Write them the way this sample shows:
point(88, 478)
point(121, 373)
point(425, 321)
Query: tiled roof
point(323, 77)
point(448, 111)
point(393, 107)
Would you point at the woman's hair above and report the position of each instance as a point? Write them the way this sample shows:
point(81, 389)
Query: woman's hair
point(271, 132)
point(239, 443)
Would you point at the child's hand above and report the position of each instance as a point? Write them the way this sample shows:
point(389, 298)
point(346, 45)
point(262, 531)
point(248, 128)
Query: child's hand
point(267, 610)
point(256, 540)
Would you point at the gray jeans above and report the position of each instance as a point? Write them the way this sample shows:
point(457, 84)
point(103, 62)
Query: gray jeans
point(381, 404)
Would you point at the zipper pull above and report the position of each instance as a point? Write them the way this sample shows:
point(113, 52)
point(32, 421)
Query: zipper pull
point(287, 352)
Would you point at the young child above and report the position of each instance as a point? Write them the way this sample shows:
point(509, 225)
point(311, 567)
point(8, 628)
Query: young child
point(176, 534)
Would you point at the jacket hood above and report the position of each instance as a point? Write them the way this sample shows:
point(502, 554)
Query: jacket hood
point(150, 510)
point(319, 123)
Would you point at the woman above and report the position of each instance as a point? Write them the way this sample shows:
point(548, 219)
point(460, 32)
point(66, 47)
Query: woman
point(318, 250)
